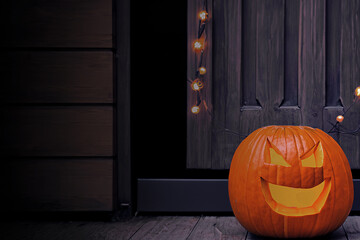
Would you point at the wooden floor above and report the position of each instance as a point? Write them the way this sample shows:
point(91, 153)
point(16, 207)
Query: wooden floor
point(169, 227)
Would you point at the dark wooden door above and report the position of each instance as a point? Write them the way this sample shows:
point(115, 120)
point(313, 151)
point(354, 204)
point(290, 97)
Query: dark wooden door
point(272, 62)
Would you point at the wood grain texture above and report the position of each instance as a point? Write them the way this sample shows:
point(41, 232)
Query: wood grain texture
point(199, 125)
point(270, 71)
point(298, 64)
point(166, 228)
point(61, 184)
point(270, 54)
point(312, 62)
point(208, 228)
point(352, 227)
point(333, 41)
point(59, 131)
point(211, 228)
point(270, 78)
point(61, 23)
point(248, 51)
point(349, 77)
point(338, 234)
point(226, 83)
point(291, 52)
point(60, 77)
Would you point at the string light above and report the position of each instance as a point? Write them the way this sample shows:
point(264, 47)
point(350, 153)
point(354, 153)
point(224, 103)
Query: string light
point(357, 91)
point(340, 118)
point(202, 70)
point(203, 15)
point(198, 45)
point(197, 85)
point(338, 128)
point(195, 109)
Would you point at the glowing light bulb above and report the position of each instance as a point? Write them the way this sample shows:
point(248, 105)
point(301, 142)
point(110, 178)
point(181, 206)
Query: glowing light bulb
point(340, 118)
point(198, 45)
point(203, 15)
point(202, 70)
point(195, 109)
point(197, 84)
point(357, 91)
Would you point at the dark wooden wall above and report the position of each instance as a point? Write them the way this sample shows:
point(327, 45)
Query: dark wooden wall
point(275, 62)
point(60, 115)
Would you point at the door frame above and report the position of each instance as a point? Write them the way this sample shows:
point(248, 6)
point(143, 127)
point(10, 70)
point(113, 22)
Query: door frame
point(122, 138)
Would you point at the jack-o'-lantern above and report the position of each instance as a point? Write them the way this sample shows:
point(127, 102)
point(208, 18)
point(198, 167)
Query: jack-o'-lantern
point(290, 181)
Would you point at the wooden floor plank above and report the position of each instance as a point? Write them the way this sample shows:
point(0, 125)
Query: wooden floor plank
point(210, 228)
point(166, 228)
point(170, 227)
point(72, 230)
point(338, 234)
point(352, 227)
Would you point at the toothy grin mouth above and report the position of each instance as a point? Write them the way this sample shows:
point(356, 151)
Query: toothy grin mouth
point(291, 201)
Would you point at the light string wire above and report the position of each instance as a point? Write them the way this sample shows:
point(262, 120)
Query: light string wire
point(338, 127)
point(200, 61)
point(199, 82)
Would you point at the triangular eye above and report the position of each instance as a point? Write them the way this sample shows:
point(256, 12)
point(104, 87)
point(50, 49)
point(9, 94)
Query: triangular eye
point(275, 155)
point(314, 157)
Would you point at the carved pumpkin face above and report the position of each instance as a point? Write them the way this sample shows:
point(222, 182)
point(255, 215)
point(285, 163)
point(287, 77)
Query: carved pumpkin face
point(288, 181)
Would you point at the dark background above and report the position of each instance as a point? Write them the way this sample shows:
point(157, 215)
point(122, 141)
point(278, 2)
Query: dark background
point(158, 91)
point(39, 113)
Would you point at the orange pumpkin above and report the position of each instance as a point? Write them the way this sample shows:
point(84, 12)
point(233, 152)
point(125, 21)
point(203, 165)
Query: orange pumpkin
point(290, 181)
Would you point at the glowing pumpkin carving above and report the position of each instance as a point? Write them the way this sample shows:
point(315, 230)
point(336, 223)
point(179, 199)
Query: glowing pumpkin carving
point(290, 181)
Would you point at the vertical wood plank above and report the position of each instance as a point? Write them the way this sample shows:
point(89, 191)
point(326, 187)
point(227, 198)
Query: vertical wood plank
point(248, 58)
point(270, 55)
point(312, 62)
point(333, 75)
point(270, 78)
point(291, 41)
point(226, 85)
point(250, 106)
point(199, 125)
point(122, 114)
point(333, 38)
point(350, 75)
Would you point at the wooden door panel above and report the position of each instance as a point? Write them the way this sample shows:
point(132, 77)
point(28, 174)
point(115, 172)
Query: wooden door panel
point(280, 62)
point(350, 77)
point(226, 88)
point(312, 62)
point(199, 126)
